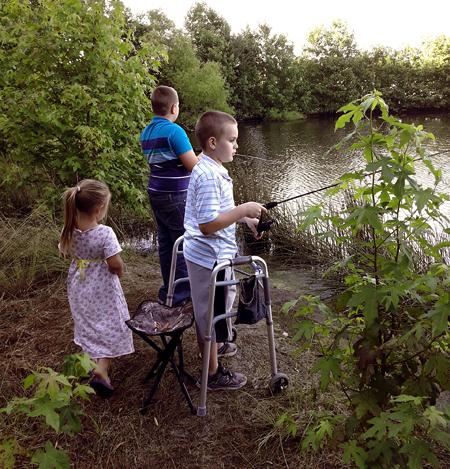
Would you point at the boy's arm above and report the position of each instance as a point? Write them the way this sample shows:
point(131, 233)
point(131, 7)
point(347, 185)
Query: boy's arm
point(189, 159)
point(241, 212)
point(252, 223)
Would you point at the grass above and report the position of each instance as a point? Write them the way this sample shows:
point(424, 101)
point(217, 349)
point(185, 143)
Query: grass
point(240, 426)
point(29, 256)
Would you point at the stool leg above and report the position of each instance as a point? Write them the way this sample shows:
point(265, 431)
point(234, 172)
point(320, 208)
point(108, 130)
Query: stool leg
point(180, 374)
point(165, 358)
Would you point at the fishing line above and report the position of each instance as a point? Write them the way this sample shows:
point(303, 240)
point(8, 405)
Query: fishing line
point(265, 226)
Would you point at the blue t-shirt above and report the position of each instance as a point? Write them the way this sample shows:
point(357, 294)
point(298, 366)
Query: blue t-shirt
point(210, 193)
point(162, 142)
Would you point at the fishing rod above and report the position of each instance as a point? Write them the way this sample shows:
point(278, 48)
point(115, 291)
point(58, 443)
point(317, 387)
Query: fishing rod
point(265, 226)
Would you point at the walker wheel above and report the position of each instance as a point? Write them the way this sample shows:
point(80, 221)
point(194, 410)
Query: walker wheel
point(234, 334)
point(278, 383)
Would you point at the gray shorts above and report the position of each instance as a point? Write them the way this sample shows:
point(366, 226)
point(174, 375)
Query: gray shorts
point(200, 279)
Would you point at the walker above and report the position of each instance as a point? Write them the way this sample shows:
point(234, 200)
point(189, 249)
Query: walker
point(278, 381)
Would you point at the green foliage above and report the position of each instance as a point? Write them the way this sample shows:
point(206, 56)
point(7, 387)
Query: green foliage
point(54, 402)
point(265, 74)
point(200, 87)
point(330, 68)
point(51, 458)
point(73, 96)
point(283, 116)
point(9, 448)
point(262, 77)
point(385, 344)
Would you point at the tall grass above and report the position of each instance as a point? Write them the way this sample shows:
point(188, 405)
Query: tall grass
point(29, 257)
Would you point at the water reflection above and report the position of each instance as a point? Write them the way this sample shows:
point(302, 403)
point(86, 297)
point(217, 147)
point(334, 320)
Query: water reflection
point(295, 163)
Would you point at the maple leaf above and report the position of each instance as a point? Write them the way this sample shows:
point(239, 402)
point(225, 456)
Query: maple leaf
point(367, 295)
point(44, 406)
point(407, 417)
point(49, 383)
point(328, 366)
point(352, 450)
point(69, 420)
point(439, 316)
point(51, 458)
point(304, 328)
point(419, 448)
point(378, 428)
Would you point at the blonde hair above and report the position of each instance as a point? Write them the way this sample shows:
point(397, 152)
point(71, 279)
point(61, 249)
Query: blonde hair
point(211, 124)
point(84, 198)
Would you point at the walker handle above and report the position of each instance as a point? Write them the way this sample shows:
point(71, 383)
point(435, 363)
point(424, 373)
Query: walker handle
point(241, 260)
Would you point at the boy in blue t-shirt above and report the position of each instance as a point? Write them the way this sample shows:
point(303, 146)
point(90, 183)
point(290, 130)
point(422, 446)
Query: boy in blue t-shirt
point(210, 230)
point(171, 158)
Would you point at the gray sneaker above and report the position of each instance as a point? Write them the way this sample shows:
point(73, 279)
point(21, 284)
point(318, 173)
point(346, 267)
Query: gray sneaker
point(224, 379)
point(227, 350)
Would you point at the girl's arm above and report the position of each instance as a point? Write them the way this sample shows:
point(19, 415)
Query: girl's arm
point(115, 265)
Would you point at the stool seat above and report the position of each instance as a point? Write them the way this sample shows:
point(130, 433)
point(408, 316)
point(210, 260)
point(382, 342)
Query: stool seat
point(152, 318)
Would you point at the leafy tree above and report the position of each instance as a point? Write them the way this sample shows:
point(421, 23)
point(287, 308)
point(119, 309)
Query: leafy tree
point(211, 37)
point(246, 83)
point(72, 96)
point(385, 345)
point(200, 87)
point(265, 73)
point(329, 61)
point(277, 70)
point(336, 41)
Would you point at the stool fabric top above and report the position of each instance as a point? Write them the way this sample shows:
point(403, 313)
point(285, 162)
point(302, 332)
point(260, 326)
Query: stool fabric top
point(152, 318)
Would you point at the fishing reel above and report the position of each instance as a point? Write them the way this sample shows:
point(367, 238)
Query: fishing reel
point(265, 226)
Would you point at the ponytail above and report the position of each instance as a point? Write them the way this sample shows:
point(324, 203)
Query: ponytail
point(70, 218)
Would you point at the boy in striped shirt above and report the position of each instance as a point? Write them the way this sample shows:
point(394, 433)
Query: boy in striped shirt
point(169, 154)
point(210, 220)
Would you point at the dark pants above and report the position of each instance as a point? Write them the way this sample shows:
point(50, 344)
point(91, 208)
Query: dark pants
point(169, 213)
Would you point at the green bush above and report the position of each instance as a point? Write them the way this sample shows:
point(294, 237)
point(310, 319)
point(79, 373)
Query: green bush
point(73, 96)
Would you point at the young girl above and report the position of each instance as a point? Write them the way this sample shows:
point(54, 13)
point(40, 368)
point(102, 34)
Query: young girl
point(96, 299)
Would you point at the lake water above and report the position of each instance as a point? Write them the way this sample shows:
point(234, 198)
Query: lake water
point(294, 163)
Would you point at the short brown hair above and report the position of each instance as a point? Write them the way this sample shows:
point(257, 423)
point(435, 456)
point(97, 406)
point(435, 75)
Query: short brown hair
point(211, 124)
point(163, 98)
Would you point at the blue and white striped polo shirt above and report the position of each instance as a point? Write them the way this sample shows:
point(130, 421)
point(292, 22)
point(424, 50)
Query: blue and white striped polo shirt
point(210, 193)
point(162, 143)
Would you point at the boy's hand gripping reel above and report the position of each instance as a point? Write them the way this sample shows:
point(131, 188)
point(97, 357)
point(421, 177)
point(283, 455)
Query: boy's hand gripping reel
point(265, 226)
